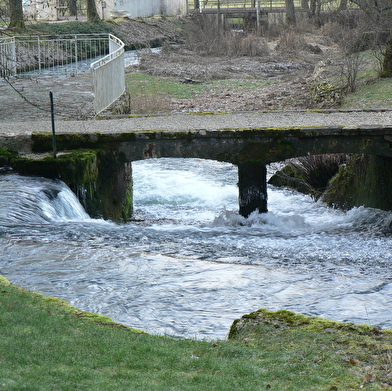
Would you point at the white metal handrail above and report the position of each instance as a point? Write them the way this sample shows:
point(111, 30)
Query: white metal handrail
point(108, 75)
point(68, 55)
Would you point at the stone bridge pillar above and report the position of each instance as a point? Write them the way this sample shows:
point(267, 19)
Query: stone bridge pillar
point(252, 184)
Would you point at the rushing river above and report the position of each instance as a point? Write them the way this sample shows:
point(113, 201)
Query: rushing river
point(192, 265)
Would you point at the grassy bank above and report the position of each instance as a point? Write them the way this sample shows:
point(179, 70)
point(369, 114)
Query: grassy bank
point(374, 95)
point(47, 345)
point(156, 94)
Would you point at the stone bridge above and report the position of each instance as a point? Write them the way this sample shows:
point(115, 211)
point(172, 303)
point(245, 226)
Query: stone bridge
point(103, 160)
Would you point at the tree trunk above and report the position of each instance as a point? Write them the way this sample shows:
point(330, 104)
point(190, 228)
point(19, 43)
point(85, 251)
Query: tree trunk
point(312, 8)
point(290, 13)
point(92, 13)
point(343, 5)
point(16, 14)
point(387, 63)
point(72, 7)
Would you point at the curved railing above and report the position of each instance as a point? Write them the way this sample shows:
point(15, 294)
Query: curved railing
point(68, 55)
point(108, 75)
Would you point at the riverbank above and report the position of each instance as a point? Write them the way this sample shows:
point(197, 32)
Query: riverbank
point(261, 75)
point(47, 345)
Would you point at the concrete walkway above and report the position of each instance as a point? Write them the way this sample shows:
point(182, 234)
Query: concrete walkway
point(28, 99)
point(184, 122)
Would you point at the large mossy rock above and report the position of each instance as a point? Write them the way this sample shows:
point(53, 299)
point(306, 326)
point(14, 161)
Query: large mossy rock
point(288, 176)
point(366, 180)
point(264, 321)
point(309, 174)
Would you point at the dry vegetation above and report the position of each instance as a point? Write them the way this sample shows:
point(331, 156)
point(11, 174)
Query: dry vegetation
point(273, 69)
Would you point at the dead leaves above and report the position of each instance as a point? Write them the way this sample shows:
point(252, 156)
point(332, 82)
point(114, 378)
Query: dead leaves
point(350, 361)
point(367, 379)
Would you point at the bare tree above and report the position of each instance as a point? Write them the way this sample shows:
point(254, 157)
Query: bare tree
point(379, 13)
point(343, 5)
point(290, 13)
point(16, 14)
point(387, 61)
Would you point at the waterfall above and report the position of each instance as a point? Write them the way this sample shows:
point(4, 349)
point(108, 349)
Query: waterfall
point(35, 200)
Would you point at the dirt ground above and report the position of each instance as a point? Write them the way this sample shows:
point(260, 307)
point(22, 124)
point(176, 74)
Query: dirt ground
point(286, 72)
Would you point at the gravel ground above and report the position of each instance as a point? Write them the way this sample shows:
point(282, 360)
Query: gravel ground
point(184, 122)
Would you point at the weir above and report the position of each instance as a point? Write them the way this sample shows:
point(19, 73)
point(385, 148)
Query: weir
point(97, 166)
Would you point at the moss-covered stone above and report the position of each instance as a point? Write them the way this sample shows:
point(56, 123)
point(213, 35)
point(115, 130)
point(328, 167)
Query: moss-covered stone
point(250, 325)
point(6, 156)
point(42, 141)
point(366, 180)
point(289, 177)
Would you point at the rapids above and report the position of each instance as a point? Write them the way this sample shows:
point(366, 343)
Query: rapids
point(190, 264)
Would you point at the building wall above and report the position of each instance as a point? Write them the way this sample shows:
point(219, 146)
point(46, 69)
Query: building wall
point(47, 10)
point(145, 8)
point(40, 10)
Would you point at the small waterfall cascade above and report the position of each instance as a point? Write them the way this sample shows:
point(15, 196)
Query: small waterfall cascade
point(34, 200)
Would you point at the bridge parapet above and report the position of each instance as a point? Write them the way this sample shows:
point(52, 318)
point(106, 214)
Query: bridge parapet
point(266, 145)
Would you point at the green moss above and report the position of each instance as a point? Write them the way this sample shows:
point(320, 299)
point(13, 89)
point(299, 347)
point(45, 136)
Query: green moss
point(104, 139)
point(42, 141)
point(90, 316)
point(366, 180)
point(4, 281)
point(7, 156)
point(128, 205)
point(252, 323)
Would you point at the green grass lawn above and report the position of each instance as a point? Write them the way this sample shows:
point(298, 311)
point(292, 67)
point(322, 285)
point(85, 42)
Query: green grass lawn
point(374, 95)
point(153, 94)
point(47, 345)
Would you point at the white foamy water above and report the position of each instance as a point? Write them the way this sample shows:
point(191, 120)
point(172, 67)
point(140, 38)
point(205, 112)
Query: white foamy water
point(194, 265)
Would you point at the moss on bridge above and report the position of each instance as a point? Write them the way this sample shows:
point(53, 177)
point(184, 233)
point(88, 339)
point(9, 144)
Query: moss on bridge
point(102, 180)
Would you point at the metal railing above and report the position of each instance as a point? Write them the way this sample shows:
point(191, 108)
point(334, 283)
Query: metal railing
point(68, 55)
point(108, 75)
point(206, 4)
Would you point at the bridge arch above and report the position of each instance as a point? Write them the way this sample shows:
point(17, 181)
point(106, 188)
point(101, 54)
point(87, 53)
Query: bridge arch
point(252, 149)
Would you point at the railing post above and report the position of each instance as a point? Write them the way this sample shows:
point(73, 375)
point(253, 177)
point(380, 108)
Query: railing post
point(39, 53)
point(13, 67)
point(53, 125)
point(76, 54)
